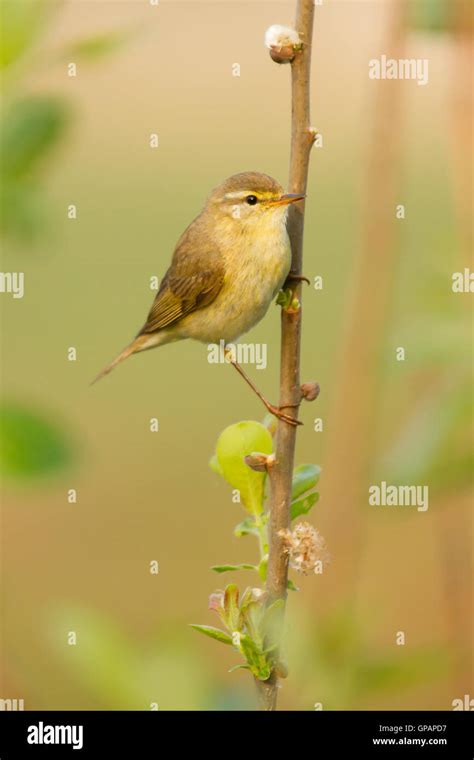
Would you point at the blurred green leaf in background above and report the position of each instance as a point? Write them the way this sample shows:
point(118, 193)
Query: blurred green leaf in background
point(92, 49)
point(123, 676)
point(347, 667)
point(435, 446)
point(31, 445)
point(30, 129)
point(30, 125)
point(433, 16)
point(21, 23)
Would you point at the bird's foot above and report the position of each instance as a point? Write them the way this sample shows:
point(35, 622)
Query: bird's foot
point(293, 277)
point(277, 412)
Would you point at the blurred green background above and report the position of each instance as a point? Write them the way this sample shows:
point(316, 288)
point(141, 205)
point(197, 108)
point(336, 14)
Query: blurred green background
point(145, 496)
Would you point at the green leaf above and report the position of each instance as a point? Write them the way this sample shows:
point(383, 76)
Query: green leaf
point(435, 16)
point(262, 567)
point(305, 477)
point(229, 568)
point(257, 662)
point(30, 445)
point(291, 586)
point(303, 506)
point(231, 606)
point(213, 633)
point(284, 298)
point(21, 24)
point(238, 667)
point(106, 662)
point(246, 527)
point(117, 671)
point(440, 454)
point(30, 129)
point(236, 442)
point(21, 210)
point(393, 673)
point(93, 48)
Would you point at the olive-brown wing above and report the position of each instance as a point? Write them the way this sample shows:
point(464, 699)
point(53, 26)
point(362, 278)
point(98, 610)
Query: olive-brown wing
point(194, 279)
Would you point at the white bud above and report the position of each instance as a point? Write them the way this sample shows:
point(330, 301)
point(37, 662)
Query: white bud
point(283, 42)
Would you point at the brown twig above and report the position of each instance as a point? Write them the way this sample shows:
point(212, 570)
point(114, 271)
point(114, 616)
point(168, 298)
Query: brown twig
point(302, 138)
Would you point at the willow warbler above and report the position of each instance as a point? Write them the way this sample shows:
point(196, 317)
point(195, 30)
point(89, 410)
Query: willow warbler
point(226, 269)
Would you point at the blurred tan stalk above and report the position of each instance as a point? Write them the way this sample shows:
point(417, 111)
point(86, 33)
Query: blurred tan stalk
point(351, 422)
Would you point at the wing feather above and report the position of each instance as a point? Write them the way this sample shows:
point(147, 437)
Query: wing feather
point(194, 279)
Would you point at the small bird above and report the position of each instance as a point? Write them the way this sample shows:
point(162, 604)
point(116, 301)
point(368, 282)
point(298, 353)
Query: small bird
point(225, 271)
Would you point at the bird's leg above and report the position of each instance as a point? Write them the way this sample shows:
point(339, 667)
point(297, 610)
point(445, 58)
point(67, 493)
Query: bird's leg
point(270, 407)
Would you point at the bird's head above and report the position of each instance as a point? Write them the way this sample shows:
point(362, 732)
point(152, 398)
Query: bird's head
point(251, 198)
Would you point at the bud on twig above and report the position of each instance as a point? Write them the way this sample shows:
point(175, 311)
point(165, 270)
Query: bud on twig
point(283, 43)
point(310, 391)
point(260, 462)
point(294, 306)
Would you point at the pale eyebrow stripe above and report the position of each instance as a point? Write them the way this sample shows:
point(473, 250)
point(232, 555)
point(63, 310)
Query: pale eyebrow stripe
point(242, 194)
point(238, 194)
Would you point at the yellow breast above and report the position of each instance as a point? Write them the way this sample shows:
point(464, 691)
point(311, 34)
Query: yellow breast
point(257, 265)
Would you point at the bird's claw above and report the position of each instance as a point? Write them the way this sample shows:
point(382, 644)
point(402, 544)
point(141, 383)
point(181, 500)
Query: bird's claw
point(296, 278)
point(276, 411)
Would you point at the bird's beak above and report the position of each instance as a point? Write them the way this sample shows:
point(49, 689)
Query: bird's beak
point(284, 200)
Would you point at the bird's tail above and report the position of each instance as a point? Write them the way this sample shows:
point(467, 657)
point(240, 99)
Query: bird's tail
point(133, 347)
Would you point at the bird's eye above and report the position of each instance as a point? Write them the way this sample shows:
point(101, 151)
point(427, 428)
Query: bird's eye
point(251, 200)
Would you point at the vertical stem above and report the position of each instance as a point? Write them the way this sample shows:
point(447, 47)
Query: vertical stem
point(302, 138)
